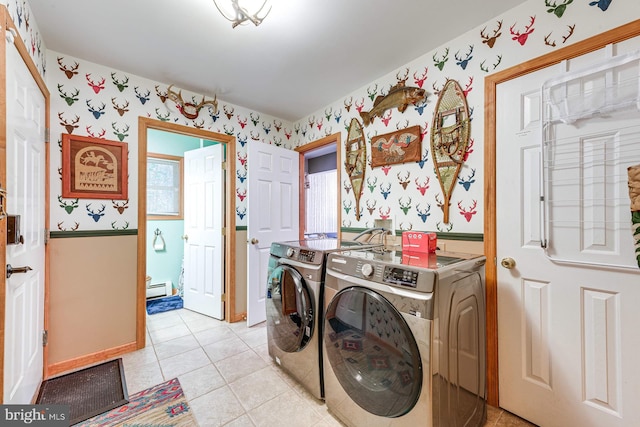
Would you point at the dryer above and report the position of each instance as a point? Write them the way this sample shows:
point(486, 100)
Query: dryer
point(294, 298)
point(404, 339)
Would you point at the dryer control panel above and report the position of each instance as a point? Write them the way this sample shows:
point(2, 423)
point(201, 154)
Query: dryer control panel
point(305, 255)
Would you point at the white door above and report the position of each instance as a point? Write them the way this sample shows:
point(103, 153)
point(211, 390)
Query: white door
point(24, 315)
point(203, 243)
point(567, 332)
point(272, 216)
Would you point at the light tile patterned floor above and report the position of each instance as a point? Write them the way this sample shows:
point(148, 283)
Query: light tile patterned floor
point(228, 377)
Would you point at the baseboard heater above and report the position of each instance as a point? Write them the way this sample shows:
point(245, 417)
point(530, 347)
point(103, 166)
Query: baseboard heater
point(161, 289)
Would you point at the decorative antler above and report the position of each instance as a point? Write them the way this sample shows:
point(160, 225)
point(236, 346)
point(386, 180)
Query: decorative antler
point(491, 40)
point(100, 135)
point(187, 109)
point(422, 187)
point(404, 206)
point(522, 37)
point(360, 105)
point(440, 62)
point(143, 97)
point(241, 14)
point(466, 182)
point(557, 9)
point(571, 29)
point(68, 98)
point(402, 80)
point(423, 214)
point(463, 62)
point(468, 214)
point(95, 215)
point(69, 127)
point(161, 95)
point(68, 206)
point(372, 92)
point(468, 87)
point(420, 80)
point(69, 72)
point(404, 180)
point(371, 207)
point(121, 85)
point(121, 109)
point(97, 87)
point(384, 214)
point(227, 111)
point(348, 103)
point(120, 207)
point(404, 228)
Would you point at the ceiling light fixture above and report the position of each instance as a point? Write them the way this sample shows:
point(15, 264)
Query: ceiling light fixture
point(242, 11)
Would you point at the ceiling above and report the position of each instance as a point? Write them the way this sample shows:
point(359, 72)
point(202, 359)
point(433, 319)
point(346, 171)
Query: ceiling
point(305, 55)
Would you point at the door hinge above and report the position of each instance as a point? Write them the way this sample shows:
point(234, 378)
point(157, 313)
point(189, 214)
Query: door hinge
point(47, 235)
point(224, 231)
point(47, 135)
point(45, 338)
point(224, 166)
point(223, 297)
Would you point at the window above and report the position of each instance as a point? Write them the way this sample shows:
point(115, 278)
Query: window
point(164, 186)
point(322, 203)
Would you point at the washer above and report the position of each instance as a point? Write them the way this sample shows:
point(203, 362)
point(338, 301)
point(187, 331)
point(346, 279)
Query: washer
point(404, 339)
point(294, 306)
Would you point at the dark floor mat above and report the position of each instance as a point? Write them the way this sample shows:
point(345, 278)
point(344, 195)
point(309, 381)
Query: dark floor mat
point(88, 392)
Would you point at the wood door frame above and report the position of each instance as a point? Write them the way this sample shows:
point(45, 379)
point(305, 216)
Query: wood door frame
point(5, 18)
point(491, 82)
point(334, 138)
point(144, 124)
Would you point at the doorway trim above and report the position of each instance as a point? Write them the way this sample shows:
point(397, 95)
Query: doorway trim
point(491, 82)
point(334, 138)
point(145, 124)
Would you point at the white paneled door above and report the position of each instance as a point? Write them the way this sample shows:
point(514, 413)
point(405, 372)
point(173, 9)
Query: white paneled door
point(24, 311)
point(203, 240)
point(567, 331)
point(273, 209)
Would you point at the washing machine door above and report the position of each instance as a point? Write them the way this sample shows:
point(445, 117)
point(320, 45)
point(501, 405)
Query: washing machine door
point(372, 352)
point(289, 309)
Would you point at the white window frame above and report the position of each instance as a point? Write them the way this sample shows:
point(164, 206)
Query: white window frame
point(177, 187)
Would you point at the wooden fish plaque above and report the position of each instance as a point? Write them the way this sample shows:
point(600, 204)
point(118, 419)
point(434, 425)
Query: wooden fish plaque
point(449, 138)
point(401, 146)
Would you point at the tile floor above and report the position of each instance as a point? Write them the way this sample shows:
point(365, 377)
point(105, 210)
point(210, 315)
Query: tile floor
point(228, 377)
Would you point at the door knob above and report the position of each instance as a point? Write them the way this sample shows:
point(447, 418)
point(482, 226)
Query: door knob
point(254, 241)
point(185, 237)
point(14, 270)
point(508, 263)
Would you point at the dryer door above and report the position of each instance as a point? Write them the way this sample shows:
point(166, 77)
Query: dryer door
point(373, 352)
point(289, 309)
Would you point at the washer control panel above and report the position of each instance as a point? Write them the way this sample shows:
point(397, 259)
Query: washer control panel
point(400, 276)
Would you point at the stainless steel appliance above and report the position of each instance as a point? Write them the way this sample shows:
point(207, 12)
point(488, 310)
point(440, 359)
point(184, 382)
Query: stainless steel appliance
point(294, 298)
point(404, 339)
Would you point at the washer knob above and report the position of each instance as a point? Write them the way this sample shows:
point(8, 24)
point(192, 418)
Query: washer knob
point(290, 252)
point(367, 270)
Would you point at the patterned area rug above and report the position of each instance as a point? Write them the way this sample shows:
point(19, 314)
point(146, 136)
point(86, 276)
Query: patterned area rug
point(163, 405)
point(161, 305)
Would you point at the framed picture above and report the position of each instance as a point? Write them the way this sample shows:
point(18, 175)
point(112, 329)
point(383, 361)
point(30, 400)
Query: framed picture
point(401, 146)
point(94, 168)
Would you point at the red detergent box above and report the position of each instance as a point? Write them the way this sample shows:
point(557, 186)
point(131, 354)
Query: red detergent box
point(419, 241)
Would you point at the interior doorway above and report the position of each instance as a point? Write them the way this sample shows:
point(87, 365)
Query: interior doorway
point(316, 158)
point(185, 212)
point(145, 125)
